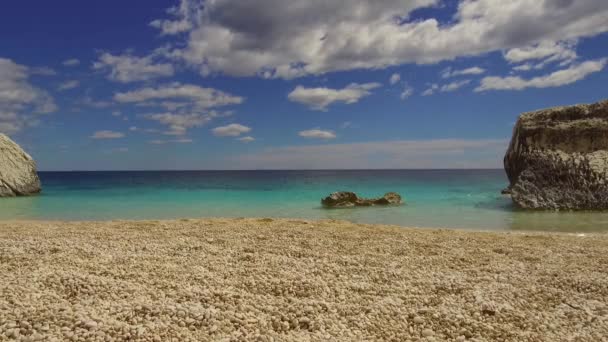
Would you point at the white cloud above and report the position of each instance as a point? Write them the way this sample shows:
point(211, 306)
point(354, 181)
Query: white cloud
point(71, 62)
point(346, 124)
point(127, 68)
point(321, 98)
point(454, 85)
point(407, 92)
point(523, 67)
point(317, 134)
point(244, 38)
point(556, 79)
point(395, 78)
point(68, 85)
point(550, 51)
point(232, 130)
point(19, 98)
point(415, 154)
point(448, 72)
point(116, 113)
point(246, 139)
point(180, 123)
point(194, 109)
point(107, 135)
point(176, 141)
point(90, 102)
point(187, 13)
point(42, 71)
point(201, 98)
point(431, 90)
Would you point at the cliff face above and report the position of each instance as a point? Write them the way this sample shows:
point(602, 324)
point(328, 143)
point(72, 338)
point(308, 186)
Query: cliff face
point(18, 175)
point(558, 158)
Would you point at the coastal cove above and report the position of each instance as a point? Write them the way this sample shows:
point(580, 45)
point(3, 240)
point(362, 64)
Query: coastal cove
point(465, 199)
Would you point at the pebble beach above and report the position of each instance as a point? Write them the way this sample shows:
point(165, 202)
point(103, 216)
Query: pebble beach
point(262, 279)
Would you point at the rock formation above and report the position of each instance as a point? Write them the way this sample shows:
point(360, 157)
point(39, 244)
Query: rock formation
point(345, 199)
point(558, 158)
point(18, 175)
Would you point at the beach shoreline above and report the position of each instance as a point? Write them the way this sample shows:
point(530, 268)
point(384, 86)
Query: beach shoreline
point(289, 279)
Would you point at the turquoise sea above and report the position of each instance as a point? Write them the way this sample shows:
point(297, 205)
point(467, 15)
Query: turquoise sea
point(468, 199)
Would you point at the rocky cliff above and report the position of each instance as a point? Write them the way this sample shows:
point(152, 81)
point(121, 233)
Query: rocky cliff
point(558, 158)
point(18, 175)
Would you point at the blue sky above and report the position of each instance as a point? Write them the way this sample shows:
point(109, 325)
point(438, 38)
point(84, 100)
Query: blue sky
point(266, 84)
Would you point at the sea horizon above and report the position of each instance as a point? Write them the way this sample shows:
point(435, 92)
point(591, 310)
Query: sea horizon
point(246, 170)
point(434, 198)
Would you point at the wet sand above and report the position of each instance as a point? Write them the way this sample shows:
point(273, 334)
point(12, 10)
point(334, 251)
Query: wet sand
point(293, 280)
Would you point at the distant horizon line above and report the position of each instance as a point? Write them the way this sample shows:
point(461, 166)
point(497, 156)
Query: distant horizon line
point(242, 170)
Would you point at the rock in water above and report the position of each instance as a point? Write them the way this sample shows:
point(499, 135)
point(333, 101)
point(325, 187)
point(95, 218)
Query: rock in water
point(346, 199)
point(342, 199)
point(558, 158)
point(390, 198)
point(18, 175)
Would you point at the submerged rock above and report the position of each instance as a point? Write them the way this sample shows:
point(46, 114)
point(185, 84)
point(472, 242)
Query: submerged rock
point(558, 158)
point(345, 199)
point(18, 175)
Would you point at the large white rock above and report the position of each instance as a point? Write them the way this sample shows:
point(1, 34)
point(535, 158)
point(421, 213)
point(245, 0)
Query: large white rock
point(558, 158)
point(18, 175)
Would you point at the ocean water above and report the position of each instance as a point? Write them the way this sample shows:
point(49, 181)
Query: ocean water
point(468, 199)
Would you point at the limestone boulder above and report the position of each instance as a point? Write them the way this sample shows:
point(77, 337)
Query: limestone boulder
point(18, 176)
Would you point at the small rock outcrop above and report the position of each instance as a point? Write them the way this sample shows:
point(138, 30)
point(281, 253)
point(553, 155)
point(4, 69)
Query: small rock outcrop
point(558, 158)
point(18, 175)
point(345, 199)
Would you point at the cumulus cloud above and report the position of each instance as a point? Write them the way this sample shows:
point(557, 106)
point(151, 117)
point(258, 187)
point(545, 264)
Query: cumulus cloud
point(176, 141)
point(202, 98)
point(107, 135)
point(244, 38)
point(179, 124)
point(68, 85)
point(454, 86)
point(523, 67)
point(395, 78)
point(42, 71)
point(90, 102)
point(185, 16)
point(246, 139)
point(430, 90)
point(19, 98)
point(550, 51)
point(426, 154)
point(555, 79)
point(448, 72)
point(71, 62)
point(232, 130)
point(317, 134)
point(321, 98)
point(127, 68)
point(193, 109)
point(407, 92)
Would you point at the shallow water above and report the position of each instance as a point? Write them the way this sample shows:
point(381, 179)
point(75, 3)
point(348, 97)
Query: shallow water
point(435, 198)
